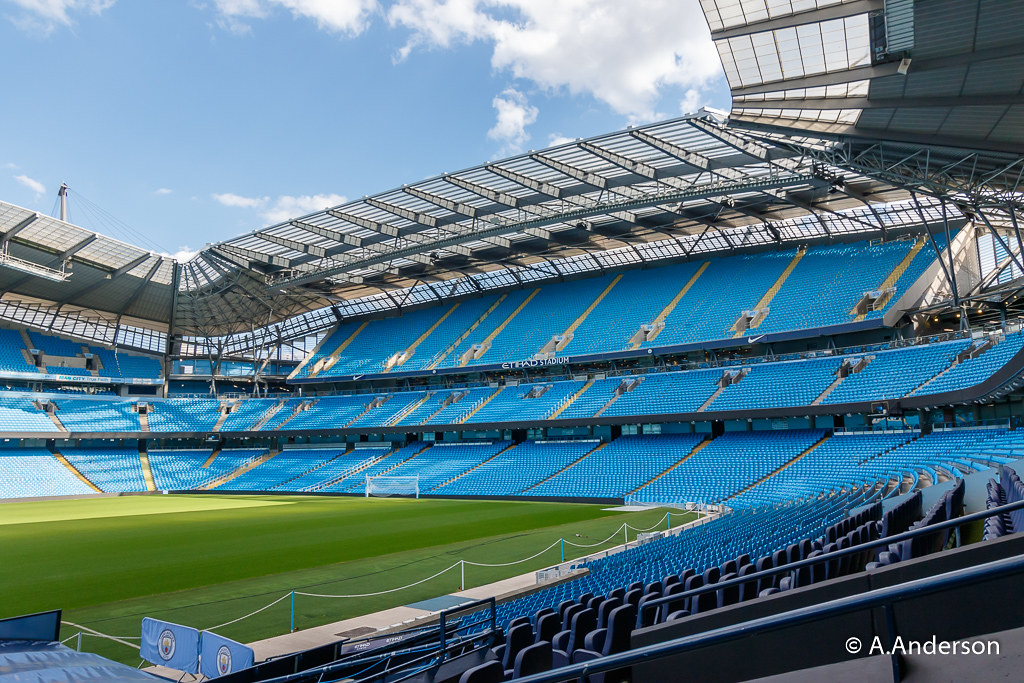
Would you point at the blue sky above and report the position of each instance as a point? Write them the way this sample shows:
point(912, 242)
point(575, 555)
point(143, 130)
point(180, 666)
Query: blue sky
point(179, 123)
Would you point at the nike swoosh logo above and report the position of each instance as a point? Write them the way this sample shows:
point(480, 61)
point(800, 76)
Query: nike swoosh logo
point(751, 340)
point(356, 376)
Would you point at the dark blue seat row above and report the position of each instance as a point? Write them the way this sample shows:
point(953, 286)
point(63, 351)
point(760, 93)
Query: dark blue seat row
point(1008, 489)
point(949, 506)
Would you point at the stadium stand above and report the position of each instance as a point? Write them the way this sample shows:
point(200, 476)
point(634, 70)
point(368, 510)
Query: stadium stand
point(35, 472)
point(742, 470)
point(287, 465)
point(604, 314)
point(618, 468)
point(860, 375)
point(515, 470)
point(100, 415)
point(382, 462)
point(724, 466)
point(113, 470)
point(815, 340)
point(18, 414)
point(246, 413)
point(443, 462)
point(183, 415)
point(13, 353)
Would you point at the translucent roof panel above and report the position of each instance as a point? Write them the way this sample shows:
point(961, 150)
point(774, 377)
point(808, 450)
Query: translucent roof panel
point(795, 52)
point(724, 14)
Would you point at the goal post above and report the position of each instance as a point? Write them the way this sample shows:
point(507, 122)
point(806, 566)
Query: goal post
point(384, 486)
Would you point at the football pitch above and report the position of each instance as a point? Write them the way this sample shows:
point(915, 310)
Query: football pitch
point(203, 560)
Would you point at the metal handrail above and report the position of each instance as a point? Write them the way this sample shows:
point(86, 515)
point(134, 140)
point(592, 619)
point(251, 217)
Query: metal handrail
point(826, 557)
point(872, 598)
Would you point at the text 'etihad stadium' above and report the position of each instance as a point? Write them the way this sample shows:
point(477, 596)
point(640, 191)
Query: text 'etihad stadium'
point(559, 360)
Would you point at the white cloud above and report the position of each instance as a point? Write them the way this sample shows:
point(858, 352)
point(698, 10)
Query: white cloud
point(240, 202)
point(286, 207)
point(622, 53)
point(11, 165)
point(45, 15)
point(691, 102)
point(32, 184)
point(163, 190)
point(350, 17)
point(514, 115)
point(282, 208)
point(183, 254)
point(556, 139)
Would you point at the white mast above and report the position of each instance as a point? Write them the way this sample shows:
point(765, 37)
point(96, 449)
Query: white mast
point(63, 194)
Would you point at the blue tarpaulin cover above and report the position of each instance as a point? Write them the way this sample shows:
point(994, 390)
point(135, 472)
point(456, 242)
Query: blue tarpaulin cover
point(33, 661)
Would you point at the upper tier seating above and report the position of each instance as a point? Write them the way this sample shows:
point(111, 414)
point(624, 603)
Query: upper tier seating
point(127, 365)
point(18, 414)
point(975, 370)
point(392, 335)
point(12, 349)
point(34, 472)
point(892, 374)
point(97, 415)
point(547, 314)
point(507, 303)
point(246, 413)
point(112, 363)
point(524, 322)
point(183, 415)
point(54, 346)
point(432, 349)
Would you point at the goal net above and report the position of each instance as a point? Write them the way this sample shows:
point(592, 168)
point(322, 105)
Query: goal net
point(393, 486)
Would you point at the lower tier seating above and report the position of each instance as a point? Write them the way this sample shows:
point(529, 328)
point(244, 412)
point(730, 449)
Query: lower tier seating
point(739, 470)
point(35, 472)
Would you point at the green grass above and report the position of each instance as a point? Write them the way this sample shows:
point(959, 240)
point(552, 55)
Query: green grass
point(204, 560)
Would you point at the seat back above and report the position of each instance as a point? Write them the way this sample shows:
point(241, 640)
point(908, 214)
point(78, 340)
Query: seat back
point(547, 627)
point(728, 595)
point(605, 609)
point(572, 611)
point(583, 622)
point(519, 637)
point(747, 590)
point(620, 628)
point(533, 660)
point(488, 672)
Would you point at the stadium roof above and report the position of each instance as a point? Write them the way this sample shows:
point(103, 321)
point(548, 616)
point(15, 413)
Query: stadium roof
point(65, 266)
point(666, 190)
point(910, 70)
